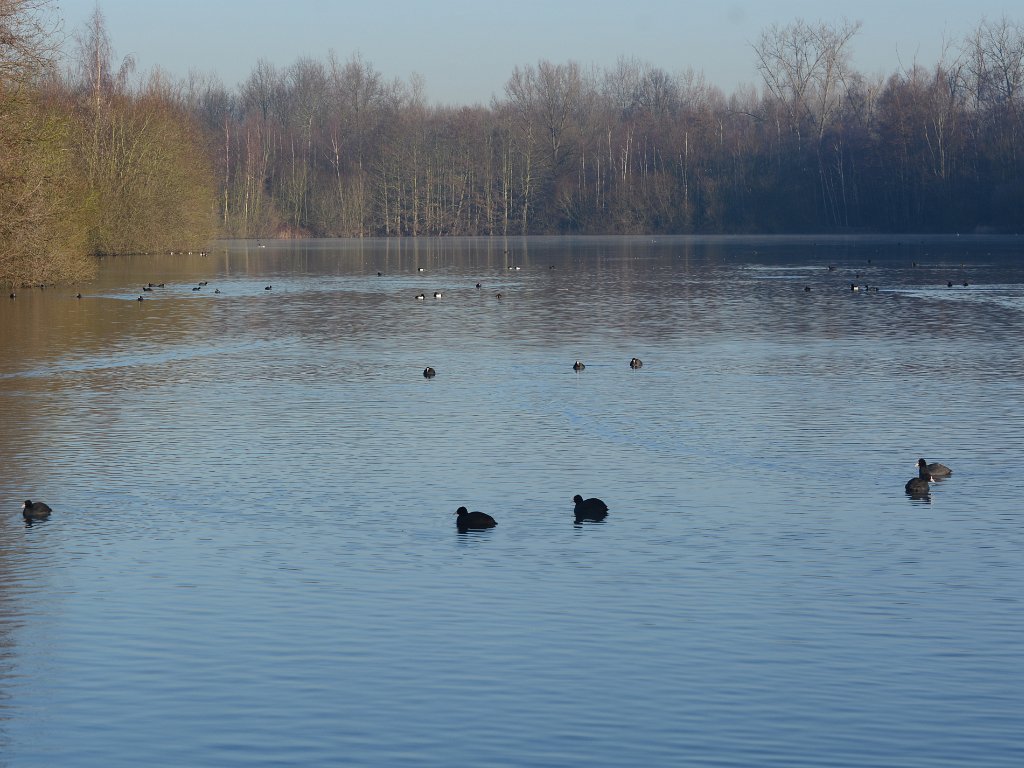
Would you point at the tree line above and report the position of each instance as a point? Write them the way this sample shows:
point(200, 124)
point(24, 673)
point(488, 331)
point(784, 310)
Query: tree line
point(332, 148)
point(93, 161)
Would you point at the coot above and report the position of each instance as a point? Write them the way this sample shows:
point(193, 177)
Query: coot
point(919, 486)
point(934, 469)
point(466, 520)
point(35, 510)
point(589, 509)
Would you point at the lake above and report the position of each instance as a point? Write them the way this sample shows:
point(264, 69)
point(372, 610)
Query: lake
point(253, 559)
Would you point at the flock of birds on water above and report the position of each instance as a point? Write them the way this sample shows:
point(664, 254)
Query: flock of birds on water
point(593, 509)
point(920, 487)
point(586, 509)
point(854, 287)
point(429, 372)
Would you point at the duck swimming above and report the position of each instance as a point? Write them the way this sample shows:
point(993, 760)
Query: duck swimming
point(470, 521)
point(919, 486)
point(934, 469)
point(35, 510)
point(589, 509)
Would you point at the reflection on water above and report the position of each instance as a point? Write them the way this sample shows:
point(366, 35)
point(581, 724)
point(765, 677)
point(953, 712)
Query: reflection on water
point(252, 557)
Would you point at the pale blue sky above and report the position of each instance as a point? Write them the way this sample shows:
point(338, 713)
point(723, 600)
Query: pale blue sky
point(466, 49)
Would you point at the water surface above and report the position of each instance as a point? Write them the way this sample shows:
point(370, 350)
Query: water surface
point(253, 557)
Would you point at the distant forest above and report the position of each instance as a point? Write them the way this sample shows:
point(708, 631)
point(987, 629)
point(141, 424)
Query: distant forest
point(96, 159)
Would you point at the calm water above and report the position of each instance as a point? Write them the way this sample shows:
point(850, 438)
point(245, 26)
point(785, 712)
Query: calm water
point(253, 559)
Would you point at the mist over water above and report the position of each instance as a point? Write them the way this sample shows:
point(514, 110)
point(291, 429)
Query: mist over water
point(253, 557)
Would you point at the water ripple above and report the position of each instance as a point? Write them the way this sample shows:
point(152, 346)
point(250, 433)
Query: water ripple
point(253, 558)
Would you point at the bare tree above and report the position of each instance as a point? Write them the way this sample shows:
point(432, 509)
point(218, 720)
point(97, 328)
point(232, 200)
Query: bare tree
point(26, 40)
point(41, 237)
point(95, 60)
point(803, 66)
point(994, 59)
